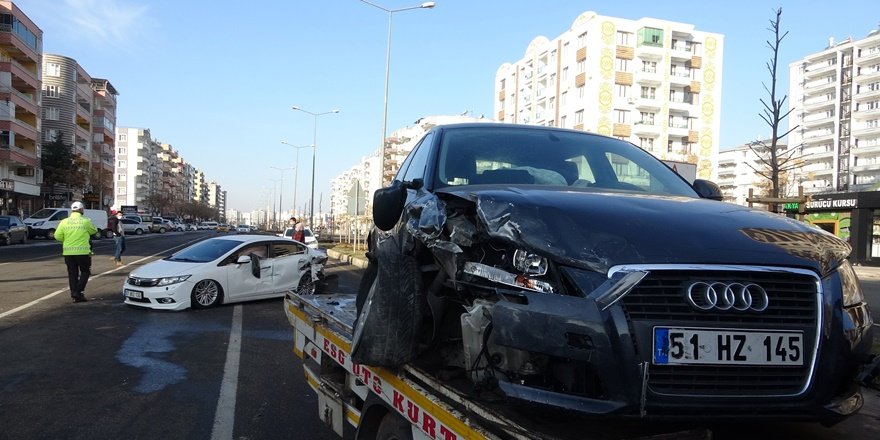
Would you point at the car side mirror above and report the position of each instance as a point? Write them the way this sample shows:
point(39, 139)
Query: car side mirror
point(708, 189)
point(388, 205)
point(243, 259)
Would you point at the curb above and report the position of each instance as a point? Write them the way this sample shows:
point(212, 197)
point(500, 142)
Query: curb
point(345, 258)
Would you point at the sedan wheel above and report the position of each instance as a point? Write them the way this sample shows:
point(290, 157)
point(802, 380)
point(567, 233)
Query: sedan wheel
point(306, 285)
point(206, 293)
point(24, 238)
point(138, 231)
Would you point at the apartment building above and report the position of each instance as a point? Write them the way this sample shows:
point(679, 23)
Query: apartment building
point(736, 174)
point(138, 169)
point(652, 82)
point(21, 47)
point(80, 111)
point(217, 197)
point(835, 95)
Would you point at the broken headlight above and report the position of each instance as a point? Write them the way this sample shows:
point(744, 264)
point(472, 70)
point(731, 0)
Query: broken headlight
point(529, 263)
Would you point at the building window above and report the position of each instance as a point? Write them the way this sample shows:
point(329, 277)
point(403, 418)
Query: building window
point(650, 37)
point(52, 69)
point(623, 38)
point(123, 150)
point(579, 117)
point(50, 113)
point(581, 65)
point(872, 123)
point(564, 74)
point(562, 98)
point(622, 116)
point(562, 122)
point(121, 164)
point(649, 66)
point(51, 135)
point(647, 118)
point(582, 39)
point(646, 144)
point(51, 91)
point(122, 137)
point(121, 176)
point(622, 65)
point(649, 92)
point(581, 91)
point(621, 90)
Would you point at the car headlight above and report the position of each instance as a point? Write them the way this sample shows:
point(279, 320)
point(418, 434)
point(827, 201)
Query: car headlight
point(172, 280)
point(849, 285)
point(38, 223)
point(529, 263)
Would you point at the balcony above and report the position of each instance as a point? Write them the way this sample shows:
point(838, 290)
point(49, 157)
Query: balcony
point(624, 52)
point(821, 68)
point(815, 122)
point(624, 130)
point(680, 77)
point(581, 54)
point(623, 78)
point(820, 86)
point(869, 55)
point(646, 128)
point(501, 96)
point(865, 131)
point(866, 94)
point(18, 157)
point(818, 104)
point(867, 76)
point(695, 62)
point(867, 112)
point(20, 128)
point(817, 138)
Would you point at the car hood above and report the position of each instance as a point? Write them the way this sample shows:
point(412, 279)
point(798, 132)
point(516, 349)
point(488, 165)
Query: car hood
point(164, 268)
point(598, 230)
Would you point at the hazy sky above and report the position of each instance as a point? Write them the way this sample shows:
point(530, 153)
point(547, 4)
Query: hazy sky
point(217, 79)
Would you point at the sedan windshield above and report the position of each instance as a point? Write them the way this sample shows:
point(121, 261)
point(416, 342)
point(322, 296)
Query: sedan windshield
point(205, 251)
point(534, 156)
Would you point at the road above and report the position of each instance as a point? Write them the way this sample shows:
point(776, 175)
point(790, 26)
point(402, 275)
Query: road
point(103, 370)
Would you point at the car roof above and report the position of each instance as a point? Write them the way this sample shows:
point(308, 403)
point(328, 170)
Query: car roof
point(247, 238)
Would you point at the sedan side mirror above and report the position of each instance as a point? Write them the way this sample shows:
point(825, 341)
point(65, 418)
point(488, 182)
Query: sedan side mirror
point(708, 189)
point(388, 205)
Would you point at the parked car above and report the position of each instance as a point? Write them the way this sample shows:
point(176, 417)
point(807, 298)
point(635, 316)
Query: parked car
point(224, 270)
point(12, 230)
point(573, 271)
point(244, 229)
point(162, 225)
point(133, 226)
point(222, 227)
point(192, 227)
point(208, 225)
point(311, 240)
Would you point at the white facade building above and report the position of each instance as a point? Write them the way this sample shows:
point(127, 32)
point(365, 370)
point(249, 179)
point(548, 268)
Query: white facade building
point(835, 94)
point(736, 175)
point(652, 82)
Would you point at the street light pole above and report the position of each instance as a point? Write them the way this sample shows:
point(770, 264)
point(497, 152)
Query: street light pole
point(281, 191)
point(314, 154)
point(296, 170)
point(274, 183)
point(425, 5)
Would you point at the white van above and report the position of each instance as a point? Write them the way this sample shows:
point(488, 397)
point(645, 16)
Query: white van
point(44, 222)
point(209, 225)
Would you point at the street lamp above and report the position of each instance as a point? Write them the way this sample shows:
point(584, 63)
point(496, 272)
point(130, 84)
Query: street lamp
point(314, 153)
point(296, 167)
point(272, 202)
point(281, 192)
point(425, 5)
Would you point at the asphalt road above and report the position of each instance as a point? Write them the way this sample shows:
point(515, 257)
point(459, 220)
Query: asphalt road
point(104, 370)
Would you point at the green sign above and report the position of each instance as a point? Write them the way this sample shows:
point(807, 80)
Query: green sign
point(792, 206)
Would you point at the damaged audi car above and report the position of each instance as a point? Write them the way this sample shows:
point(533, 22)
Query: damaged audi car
point(563, 269)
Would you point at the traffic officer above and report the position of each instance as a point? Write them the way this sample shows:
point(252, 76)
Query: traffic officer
point(74, 233)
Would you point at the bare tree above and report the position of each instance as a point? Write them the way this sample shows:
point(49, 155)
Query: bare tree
point(775, 159)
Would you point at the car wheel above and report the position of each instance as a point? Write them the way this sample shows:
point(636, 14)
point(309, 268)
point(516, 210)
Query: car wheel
point(50, 234)
point(393, 427)
point(138, 231)
point(24, 238)
point(5, 240)
point(306, 285)
point(108, 234)
point(161, 230)
point(206, 293)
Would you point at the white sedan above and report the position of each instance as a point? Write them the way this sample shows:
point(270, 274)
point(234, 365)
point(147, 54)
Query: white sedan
point(224, 270)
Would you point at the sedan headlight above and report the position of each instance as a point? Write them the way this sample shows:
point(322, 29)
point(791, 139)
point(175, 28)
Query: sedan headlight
point(849, 285)
point(529, 263)
point(172, 280)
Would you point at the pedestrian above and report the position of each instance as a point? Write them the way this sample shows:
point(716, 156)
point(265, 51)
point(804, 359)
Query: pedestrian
point(75, 233)
point(298, 233)
point(114, 225)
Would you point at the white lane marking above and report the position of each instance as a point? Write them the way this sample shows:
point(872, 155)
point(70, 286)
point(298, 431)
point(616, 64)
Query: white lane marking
point(224, 419)
point(57, 292)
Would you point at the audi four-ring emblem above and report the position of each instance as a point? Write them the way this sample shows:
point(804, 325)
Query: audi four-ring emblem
point(716, 295)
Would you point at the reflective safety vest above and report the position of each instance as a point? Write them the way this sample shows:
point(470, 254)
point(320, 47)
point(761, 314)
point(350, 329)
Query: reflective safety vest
point(74, 233)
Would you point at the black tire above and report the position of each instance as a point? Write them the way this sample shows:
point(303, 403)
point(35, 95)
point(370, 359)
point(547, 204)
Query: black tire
point(138, 231)
point(161, 230)
point(389, 329)
point(50, 234)
point(306, 284)
point(24, 238)
point(394, 427)
point(205, 294)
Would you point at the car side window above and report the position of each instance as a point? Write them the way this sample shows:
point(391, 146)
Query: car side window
point(60, 215)
point(420, 155)
point(260, 250)
point(285, 249)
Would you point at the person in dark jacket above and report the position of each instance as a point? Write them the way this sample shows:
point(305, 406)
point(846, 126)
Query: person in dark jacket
point(114, 225)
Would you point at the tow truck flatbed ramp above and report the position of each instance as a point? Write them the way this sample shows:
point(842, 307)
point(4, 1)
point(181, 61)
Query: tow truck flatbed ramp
point(323, 332)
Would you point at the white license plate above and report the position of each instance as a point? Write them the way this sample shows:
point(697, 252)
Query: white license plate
point(681, 345)
point(136, 294)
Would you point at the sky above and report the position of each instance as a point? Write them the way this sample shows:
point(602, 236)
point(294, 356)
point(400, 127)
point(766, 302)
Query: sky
point(217, 79)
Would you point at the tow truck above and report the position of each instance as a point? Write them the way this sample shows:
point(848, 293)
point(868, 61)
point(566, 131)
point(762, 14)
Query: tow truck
point(365, 402)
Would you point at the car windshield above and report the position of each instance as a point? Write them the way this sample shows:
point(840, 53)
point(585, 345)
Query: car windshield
point(534, 156)
point(43, 213)
point(4, 221)
point(205, 251)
